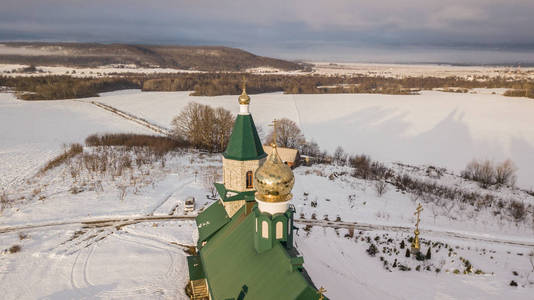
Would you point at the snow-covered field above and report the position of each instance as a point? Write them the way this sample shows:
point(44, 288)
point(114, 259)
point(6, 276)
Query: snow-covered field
point(32, 132)
point(417, 70)
point(146, 259)
point(439, 128)
point(318, 68)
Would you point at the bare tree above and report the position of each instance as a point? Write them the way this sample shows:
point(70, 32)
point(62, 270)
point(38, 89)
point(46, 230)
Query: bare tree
point(222, 127)
point(380, 187)
point(340, 157)
point(311, 148)
point(261, 133)
point(204, 127)
point(288, 134)
point(122, 191)
point(210, 177)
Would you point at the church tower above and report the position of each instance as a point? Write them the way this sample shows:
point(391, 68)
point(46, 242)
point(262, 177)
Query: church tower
point(243, 155)
point(274, 216)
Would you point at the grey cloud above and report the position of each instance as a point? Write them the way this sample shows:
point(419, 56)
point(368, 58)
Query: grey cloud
point(278, 24)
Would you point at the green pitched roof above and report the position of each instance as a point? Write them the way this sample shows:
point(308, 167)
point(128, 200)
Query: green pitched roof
point(244, 143)
point(232, 266)
point(194, 264)
point(211, 220)
point(223, 192)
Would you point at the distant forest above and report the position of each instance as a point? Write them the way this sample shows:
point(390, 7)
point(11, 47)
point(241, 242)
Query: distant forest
point(201, 58)
point(214, 84)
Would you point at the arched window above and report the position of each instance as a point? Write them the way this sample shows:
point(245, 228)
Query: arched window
point(249, 180)
point(264, 230)
point(279, 230)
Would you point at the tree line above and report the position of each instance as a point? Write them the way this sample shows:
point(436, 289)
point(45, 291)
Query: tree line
point(225, 83)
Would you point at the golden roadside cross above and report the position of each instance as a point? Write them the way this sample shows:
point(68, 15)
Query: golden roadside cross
point(418, 211)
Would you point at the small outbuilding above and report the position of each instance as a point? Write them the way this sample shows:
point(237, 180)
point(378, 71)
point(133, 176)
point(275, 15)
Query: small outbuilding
point(289, 156)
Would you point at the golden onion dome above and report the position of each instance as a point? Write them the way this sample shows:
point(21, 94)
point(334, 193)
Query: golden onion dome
point(274, 179)
point(244, 99)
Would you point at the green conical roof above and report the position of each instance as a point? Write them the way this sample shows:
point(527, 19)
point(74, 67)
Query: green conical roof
point(244, 143)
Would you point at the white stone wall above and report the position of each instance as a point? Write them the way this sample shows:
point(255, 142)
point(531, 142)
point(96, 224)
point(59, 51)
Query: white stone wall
point(235, 172)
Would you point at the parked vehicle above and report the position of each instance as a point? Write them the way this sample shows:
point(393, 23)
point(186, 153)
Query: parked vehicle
point(189, 204)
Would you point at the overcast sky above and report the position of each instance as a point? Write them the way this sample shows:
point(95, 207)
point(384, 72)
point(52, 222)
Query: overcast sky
point(482, 31)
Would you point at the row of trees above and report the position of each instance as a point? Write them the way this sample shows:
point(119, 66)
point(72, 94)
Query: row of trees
point(221, 83)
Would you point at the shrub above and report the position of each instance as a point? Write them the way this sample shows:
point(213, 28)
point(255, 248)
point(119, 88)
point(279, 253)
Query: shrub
point(419, 256)
point(404, 268)
point(361, 165)
point(407, 252)
point(14, 249)
point(339, 157)
point(159, 145)
point(428, 253)
point(402, 244)
point(4, 201)
point(482, 172)
point(73, 150)
point(513, 283)
point(517, 210)
point(372, 250)
point(505, 173)
point(486, 174)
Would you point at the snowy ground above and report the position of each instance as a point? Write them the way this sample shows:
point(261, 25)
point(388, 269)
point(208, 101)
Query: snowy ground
point(417, 70)
point(439, 128)
point(352, 274)
point(147, 259)
point(320, 68)
point(32, 132)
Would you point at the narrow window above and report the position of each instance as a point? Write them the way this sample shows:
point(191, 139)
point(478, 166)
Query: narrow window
point(249, 179)
point(279, 230)
point(264, 230)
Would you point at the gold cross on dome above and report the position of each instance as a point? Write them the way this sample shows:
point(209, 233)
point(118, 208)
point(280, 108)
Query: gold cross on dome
point(321, 292)
point(273, 124)
point(244, 84)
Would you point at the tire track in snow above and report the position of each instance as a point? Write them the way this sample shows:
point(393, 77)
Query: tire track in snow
point(130, 117)
point(149, 288)
point(73, 282)
point(329, 224)
point(86, 264)
point(168, 196)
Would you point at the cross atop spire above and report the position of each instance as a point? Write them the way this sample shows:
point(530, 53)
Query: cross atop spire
point(244, 99)
point(273, 124)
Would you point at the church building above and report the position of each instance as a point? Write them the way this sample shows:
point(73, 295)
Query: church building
point(245, 239)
